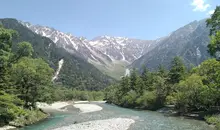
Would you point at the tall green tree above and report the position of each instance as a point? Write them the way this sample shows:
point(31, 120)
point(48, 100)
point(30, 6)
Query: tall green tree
point(30, 75)
point(133, 79)
point(177, 71)
point(213, 22)
point(125, 85)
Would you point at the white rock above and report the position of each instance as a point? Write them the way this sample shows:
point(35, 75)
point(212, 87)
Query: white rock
point(108, 124)
point(86, 108)
point(80, 102)
point(56, 105)
point(7, 127)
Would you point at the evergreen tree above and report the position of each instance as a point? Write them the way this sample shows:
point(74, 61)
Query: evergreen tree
point(177, 71)
point(162, 72)
point(125, 85)
point(133, 79)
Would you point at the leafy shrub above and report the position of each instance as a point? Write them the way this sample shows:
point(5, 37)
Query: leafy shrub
point(214, 119)
point(147, 100)
point(10, 108)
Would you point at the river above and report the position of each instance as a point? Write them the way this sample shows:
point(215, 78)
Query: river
point(144, 120)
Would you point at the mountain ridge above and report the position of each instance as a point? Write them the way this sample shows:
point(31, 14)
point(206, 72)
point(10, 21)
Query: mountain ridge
point(189, 42)
point(112, 54)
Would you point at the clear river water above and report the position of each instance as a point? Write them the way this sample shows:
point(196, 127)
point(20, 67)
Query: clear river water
point(144, 120)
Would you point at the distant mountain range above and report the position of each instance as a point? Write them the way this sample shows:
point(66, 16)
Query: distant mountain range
point(112, 55)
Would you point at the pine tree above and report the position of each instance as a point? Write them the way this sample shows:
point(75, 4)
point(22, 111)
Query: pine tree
point(133, 79)
point(177, 71)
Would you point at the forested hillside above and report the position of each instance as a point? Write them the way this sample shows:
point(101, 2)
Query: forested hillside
point(75, 73)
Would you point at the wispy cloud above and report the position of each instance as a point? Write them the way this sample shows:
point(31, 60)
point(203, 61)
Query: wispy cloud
point(211, 12)
point(200, 5)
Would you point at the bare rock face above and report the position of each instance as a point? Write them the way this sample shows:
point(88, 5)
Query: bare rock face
point(103, 49)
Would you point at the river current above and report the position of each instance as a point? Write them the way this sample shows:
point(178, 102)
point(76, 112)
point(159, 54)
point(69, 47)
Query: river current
point(144, 120)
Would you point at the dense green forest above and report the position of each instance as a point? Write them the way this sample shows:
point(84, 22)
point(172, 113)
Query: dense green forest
point(194, 89)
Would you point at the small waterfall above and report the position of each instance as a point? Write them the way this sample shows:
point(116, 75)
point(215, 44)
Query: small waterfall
point(58, 70)
point(127, 72)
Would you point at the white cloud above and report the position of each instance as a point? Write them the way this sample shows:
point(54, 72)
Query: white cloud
point(211, 12)
point(200, 5)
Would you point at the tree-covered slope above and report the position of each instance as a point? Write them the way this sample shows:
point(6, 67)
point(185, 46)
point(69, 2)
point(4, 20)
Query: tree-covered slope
point(75, 72)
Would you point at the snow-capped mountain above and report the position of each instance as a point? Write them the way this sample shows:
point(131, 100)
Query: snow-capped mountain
point(112, 55)
point(102, 50)
point(120, 48)
point(72, 44)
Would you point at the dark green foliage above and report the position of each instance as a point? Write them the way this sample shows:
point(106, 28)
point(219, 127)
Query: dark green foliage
point(10, 108)
point(177, 71)
point(213, 22)
point(148, 90)
point(197, 90)
point(214, 25)
point(214, 45)
point(29, 75)
point(5, 54)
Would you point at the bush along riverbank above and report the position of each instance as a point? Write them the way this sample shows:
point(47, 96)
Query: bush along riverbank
point(28, 118)
point(188, 89)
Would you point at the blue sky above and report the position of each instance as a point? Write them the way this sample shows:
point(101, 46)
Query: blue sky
point(143, 19)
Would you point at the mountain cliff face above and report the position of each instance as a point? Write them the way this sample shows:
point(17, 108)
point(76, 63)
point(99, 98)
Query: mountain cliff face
point(189, 42)
point(111, 55)
point(73, 70)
